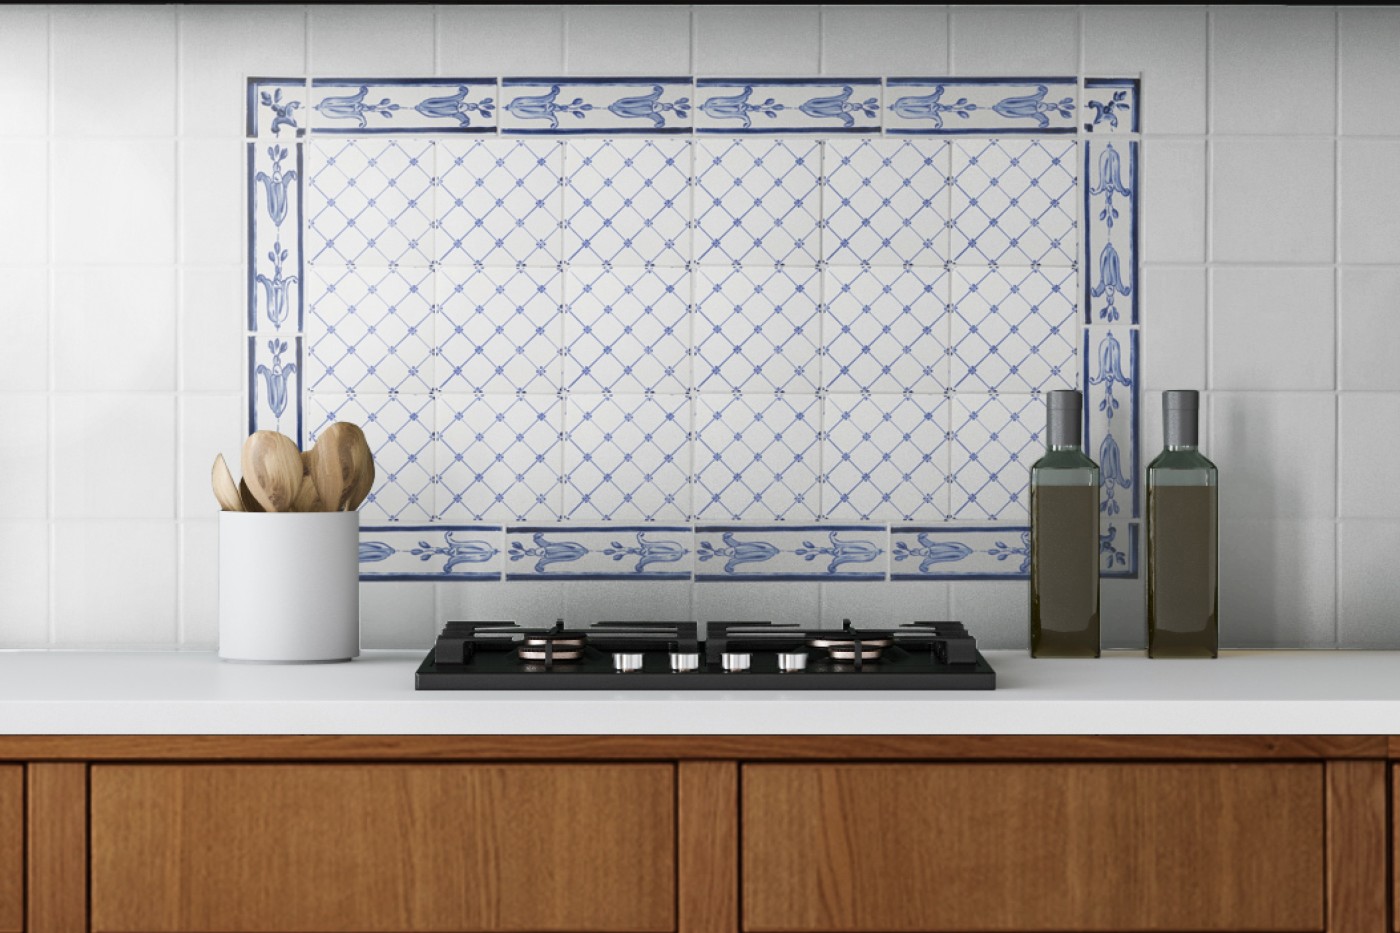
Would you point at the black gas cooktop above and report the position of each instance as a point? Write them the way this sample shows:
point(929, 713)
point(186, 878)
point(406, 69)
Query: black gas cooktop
point(726, 656)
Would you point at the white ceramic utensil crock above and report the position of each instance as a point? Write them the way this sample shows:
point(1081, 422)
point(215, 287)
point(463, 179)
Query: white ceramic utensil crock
point(289, 589)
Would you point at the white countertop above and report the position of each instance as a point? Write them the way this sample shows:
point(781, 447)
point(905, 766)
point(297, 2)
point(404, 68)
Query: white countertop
point(113, 693)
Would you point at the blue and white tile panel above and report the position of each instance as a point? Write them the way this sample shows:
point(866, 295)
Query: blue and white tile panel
point(1111, 394)
point(276, 108)
point(959, 552)
point(1118, 548)
point(274, 384)
point(620, 552)
point(275, 274)
point(431, 552)
point(571, 106)
point(782, 105)
point(403, 105)
point(1111, 199)
point(827, 553)
point(1111, 106)
point(983, 106)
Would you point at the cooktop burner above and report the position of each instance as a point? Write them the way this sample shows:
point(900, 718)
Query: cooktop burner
point(728, 656)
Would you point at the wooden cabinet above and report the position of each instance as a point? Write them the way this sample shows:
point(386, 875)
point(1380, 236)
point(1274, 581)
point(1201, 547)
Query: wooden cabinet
point(1045, 846)
point(383, 847)
point(11, 847)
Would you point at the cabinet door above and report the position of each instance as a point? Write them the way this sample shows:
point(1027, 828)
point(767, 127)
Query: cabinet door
point(1032, 847)
point(383, 847)
point(11, 847)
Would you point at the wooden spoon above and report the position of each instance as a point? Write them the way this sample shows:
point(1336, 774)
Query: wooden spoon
point(364, 472)
point(272, 469)
point(225, 489)
point(308, 500)
point(340, 457)
point(245, 496)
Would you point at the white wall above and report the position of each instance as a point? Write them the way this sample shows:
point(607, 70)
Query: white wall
point(1272, 251)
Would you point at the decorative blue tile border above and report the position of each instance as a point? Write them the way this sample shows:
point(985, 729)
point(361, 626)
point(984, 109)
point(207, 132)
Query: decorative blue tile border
point(1112, 106)
point(364, 106)
point(561, 244)
point(622, 552)
point(996, 106)
point(830, 553)
point(799, 105)
point(430, 552)
point(568, 106)
point(1111, 199)
point(960, 552)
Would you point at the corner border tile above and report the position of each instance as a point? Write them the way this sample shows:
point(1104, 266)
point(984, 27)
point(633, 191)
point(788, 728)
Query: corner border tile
point(283, 113)
point(1118, 113)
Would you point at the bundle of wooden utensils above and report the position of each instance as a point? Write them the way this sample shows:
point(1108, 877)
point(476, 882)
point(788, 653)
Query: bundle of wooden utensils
point(335, 475)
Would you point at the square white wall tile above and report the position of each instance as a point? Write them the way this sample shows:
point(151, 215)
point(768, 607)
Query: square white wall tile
point(114, 329)
point(1254, 52)
point(781, 603)
point(501, 40)
point(741, 41)
point(1272, 328)
point(374, 330)
point(199, 584)
point(1273, 200)
point(526, 602)
point(997, 612)
point(499, 329)
point(647, 39)
point(996, 441)
point(94, 44)
point(1015, 202)
point(1368, 589)
point(1014, 329)
point(1276, 455)
point(885, 457)
point(24, 584)
point(501, 458)
point(885, 329)
point(627, 329)
point(1174, 332)
point(1369, 70)
point(25, 239)
point(757, 329)
point(627, 201)
point(114, 603)
point(1368, 451)
point(209, 425)
point(221, 46)
point(757, 457)
point(24, 320)
point(97, 221)
point(398, 615)
point(1174, 197)
point(96, 475)
point(397, 37)
point(591, 601)
point(486, 184)
point(627, 456)
point(884, 604)
point(886, 202)
point(399, 430)
point(1369, 324)
point(24, 68)
point(211, 209)
point(212, 316)
point(1168, 46)
point(893, 40)
point(24, 456)
point(369, 201)
point(757, 201)
point(1029, 41)
point(1277, 584)
point(1370, 200)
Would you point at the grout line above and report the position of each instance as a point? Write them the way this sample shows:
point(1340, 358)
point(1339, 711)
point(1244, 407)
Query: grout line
point(1337, 330)
point(51, 499)
point(177, 334)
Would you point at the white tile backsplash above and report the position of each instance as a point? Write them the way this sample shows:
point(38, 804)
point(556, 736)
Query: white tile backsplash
point(1369, 452)
point(1272, 328)
point(131, 249)
point(24, 490)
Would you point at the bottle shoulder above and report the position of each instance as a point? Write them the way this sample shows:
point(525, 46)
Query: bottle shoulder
point(1064, 460)
point(1182, 468)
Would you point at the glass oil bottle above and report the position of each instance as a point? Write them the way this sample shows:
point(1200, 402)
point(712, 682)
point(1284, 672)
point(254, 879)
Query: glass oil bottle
point(1182, 533)
point(1065, 538)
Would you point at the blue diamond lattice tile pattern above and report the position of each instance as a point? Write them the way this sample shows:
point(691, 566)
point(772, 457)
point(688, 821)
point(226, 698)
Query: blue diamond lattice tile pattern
point(637, 305)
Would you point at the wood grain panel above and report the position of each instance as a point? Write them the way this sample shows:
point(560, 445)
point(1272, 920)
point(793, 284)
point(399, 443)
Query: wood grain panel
point(11, 848)
point(57, 842)
point(1032, 847)
point(383, 847)
point(708, 811)
point(684, 747)
point(1356, 846)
